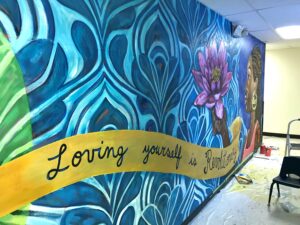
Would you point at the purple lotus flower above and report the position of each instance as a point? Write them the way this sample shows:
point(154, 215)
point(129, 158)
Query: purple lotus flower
point(213, 78)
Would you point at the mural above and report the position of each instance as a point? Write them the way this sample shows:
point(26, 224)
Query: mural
point(252, 101)
point(165, 66)
point(213, 78)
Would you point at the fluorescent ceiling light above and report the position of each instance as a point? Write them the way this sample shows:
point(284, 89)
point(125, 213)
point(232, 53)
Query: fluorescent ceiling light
point(289, 32)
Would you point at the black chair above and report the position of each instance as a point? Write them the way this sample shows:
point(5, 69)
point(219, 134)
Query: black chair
point(290, 165)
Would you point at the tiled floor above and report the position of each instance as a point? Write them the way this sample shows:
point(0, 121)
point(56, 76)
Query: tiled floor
point(238, 204)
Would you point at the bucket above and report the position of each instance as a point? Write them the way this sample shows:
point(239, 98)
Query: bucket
point(262, 149)
point(268, 152)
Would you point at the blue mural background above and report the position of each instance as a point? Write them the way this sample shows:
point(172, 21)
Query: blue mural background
point(115, 64)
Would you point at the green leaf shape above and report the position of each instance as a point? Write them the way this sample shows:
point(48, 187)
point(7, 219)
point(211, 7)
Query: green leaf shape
point(15, 124)
point(18, 217)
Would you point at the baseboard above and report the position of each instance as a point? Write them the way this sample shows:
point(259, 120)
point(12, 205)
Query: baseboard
point(280, 135)
point(225, 182)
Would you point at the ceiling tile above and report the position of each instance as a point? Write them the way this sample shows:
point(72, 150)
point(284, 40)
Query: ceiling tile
point(252, 21)
point(227, 7)
point(267, 36)
point(282, 16)
point(262, 4)
point(260, 17)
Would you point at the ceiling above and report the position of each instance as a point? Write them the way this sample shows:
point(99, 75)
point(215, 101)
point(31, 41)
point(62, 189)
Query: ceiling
point(261, 17)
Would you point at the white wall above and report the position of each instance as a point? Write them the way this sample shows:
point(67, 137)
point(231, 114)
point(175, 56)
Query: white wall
point(282, 90)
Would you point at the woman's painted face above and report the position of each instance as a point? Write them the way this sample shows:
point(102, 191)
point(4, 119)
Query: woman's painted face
point(251, 88)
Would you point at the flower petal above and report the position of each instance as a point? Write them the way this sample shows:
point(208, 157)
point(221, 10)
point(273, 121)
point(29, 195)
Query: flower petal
point(210, 105)
point(202, 62)
point(207, 53)
point(210, 102)
point(217, 96)
point(206, 73)
point(214, 50)
point(228, 78)
point(224, 90)
point(206, 86)
point(225, 85)
point(219, 109)
point(198, 79)
point(224, 70)
point(219, 86)
point(201, 99)
point(222, 53)
point(213, 86)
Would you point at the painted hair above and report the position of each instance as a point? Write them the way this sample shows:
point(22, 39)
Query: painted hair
point(256, 63)
point(257, 75)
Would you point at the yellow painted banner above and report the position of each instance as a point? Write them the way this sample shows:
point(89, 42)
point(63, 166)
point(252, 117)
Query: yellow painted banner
point(72, 159)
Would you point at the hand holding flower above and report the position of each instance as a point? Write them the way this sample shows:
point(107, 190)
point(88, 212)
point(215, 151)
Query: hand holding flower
point(214, 79)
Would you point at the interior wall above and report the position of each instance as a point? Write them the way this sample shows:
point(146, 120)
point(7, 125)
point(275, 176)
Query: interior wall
point(282, 90)
point(170, 67)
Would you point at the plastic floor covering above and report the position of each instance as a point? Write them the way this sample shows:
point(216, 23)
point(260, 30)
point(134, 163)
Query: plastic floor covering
point(239, 204)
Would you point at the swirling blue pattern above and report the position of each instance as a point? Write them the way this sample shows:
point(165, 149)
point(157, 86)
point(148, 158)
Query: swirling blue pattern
point(115, 64)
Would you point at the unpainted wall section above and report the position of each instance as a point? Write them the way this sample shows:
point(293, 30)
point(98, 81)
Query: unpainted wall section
point(282, 90)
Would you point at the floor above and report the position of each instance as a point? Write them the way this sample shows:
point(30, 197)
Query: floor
point(239, 204)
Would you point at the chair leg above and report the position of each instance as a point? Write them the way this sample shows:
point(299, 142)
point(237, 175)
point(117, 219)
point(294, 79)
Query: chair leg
point(270, 194)
point(278, 190)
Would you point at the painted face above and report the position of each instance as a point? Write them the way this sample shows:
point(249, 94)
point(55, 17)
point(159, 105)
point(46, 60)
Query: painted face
point(251, 88)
